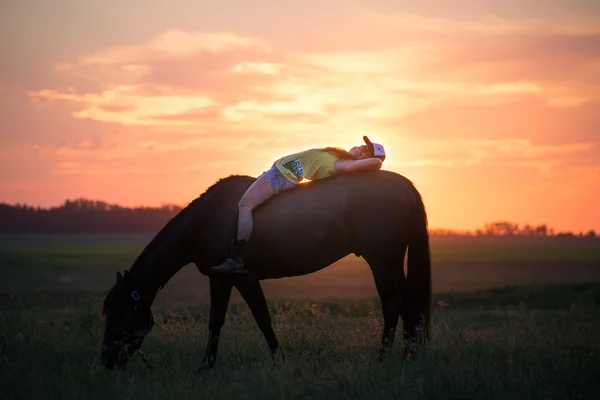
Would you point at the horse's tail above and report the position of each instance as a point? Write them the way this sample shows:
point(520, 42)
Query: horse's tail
point(418, 301)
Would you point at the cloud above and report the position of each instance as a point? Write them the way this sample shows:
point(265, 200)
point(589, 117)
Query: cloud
point(547, 58)
point(559, 55)
point(509, 9)
point(439, 19)
point(532, 119)
point(206, 79)
point(125, 104)
point(144, 157)
point(171, 44)
point(506, 153)
point(484, 78)
point(72, 168)
point(250, 67)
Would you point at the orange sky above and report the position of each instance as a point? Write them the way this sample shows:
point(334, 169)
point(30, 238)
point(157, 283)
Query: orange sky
point(492, 110)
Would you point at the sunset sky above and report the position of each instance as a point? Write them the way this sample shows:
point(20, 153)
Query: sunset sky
point(492, 108)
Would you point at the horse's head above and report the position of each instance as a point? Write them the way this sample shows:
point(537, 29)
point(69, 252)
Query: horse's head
point(128, 320)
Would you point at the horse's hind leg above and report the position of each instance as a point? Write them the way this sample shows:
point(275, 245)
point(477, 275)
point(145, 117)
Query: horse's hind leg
point(220, 293)
point(385, 272)
point(252, 293)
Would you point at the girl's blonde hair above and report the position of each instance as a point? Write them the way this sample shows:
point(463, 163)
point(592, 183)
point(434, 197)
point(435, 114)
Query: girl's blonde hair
point(338, 151)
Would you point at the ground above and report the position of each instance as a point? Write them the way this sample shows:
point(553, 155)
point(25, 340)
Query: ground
point(512, 319)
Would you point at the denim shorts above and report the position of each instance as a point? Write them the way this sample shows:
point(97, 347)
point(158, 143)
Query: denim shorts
point(277, 180)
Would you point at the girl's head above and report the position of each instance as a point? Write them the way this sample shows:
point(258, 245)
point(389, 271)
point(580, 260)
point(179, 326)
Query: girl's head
point(360, 152)
point(367, 151)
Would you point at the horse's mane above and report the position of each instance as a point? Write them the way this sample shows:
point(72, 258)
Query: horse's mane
point(182, 219)
point(183, 215)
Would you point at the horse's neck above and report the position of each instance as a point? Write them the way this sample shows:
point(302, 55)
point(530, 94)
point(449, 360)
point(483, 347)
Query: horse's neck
point(153, 274)
point(169, 250)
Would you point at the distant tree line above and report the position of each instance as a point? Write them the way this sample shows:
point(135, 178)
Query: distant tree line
point(84, 216)
point(505, 228)
point(89, 216)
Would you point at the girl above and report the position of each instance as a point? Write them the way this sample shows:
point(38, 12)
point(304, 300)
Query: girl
point(286, 173)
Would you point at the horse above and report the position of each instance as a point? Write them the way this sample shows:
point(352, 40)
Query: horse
point(377, 215)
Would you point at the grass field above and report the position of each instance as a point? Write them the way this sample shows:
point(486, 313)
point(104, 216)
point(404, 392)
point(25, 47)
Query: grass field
point(72, 267)
point(512, 319)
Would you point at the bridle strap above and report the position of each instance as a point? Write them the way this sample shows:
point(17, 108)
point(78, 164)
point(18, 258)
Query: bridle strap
point(145, 360)
point(136, 298)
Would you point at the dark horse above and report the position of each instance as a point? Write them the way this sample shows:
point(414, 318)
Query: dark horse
point(376, 215)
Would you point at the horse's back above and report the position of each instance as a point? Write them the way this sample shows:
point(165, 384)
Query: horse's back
point(315, 205)
point(316, 224)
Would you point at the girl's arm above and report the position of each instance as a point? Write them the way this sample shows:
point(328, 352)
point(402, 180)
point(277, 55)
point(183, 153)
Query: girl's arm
point(366, 164)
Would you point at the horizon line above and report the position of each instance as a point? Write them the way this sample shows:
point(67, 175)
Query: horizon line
point(182, 206)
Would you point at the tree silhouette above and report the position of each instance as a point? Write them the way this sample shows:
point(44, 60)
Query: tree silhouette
point(83, 215)
point(91, 216)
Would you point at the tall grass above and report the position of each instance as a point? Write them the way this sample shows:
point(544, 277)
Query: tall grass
point(501, 350)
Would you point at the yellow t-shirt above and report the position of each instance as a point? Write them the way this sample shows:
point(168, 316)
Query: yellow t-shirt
point(310, 164)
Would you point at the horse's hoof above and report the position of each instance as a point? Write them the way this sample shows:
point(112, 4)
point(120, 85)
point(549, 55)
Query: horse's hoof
point(205, 366)
point(278, 357)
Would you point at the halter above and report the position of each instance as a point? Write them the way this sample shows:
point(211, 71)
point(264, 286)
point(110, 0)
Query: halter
point(136, 298)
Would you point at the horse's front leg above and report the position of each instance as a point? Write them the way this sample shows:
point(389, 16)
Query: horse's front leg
point(220, 293)
point(250, 289)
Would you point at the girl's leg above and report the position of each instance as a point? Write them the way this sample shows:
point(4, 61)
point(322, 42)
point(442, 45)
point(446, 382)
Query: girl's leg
point(259, 192)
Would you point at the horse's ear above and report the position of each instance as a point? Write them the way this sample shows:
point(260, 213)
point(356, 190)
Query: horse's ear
point(119, 277)
point(127, 278)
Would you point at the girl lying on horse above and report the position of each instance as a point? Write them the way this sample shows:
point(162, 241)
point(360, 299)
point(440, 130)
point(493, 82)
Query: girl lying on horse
point(286, 173)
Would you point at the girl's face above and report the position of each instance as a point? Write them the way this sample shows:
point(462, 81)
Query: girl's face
point(359, 152)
